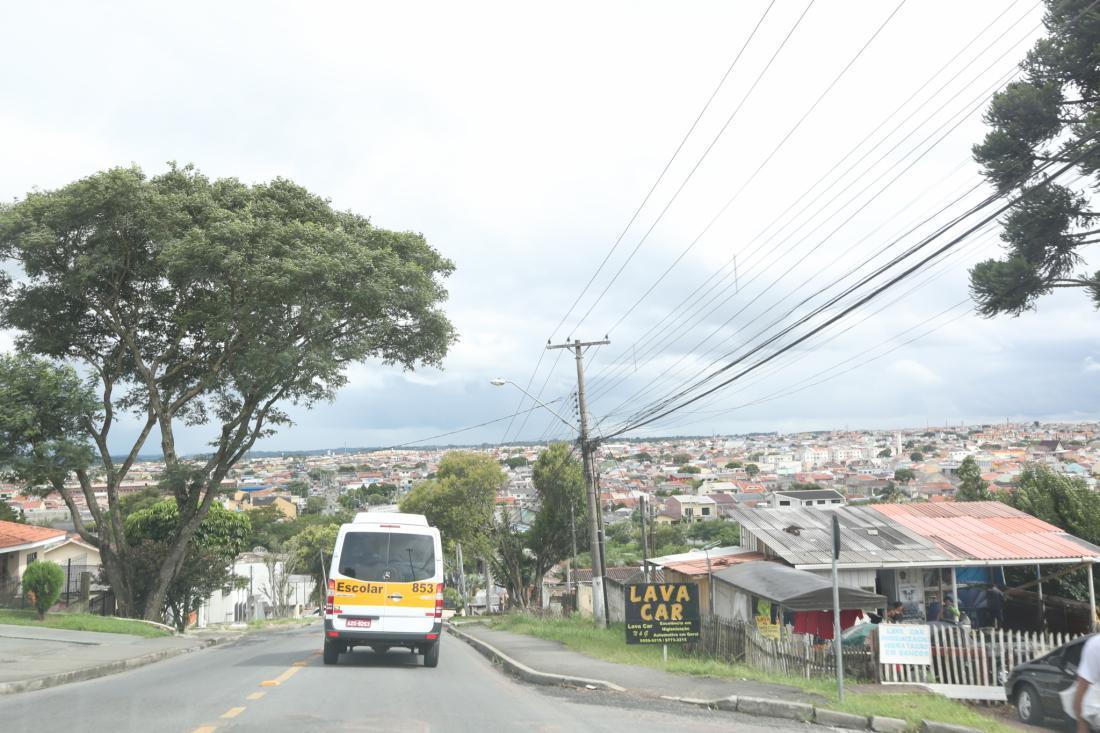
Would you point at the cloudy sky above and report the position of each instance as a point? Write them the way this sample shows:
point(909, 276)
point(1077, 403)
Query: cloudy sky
point(521, 138)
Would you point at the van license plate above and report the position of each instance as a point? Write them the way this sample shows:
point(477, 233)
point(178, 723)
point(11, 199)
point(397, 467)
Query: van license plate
point(358, 623)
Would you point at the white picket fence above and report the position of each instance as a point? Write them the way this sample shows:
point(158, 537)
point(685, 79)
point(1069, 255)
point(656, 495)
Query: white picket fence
point(973, 659)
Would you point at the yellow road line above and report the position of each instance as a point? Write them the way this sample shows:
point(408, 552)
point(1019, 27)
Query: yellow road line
point(281, 678)
point(204, 729)
point(256, 695)
point(232, 712)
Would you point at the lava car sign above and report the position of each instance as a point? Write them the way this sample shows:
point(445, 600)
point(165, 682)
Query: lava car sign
point(662, 613)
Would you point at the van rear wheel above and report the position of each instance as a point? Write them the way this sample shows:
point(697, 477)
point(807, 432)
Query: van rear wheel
point(333, 650)
point(431, 655)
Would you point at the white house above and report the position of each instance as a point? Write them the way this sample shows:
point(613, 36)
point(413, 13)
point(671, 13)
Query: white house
point(265, 591)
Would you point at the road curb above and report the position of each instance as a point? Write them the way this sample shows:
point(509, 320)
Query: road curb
point(104, 670)
point(759, 707)
point(527, 674)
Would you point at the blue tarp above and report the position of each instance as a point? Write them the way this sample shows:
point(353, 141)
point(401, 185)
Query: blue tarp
point(979, 575)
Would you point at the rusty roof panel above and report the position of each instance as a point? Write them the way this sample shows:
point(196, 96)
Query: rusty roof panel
point(987, 530)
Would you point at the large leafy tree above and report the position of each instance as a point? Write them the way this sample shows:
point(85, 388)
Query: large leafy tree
point(195, 301)
point(559, 481)
point(460, 499)
point(207, 565)
point(972, 486)
point(311, 551)
point(1067, 503)
point(1052, 114)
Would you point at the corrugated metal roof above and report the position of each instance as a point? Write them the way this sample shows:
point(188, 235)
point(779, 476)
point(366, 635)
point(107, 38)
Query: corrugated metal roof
point(987, 530)
point(804, 536)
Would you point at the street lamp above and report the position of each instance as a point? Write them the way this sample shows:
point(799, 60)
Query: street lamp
point(599, 603)
point(500, 382)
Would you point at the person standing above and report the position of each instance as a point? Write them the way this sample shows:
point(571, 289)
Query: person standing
point(1088, 673)
point(995, 605)
point(950, 612)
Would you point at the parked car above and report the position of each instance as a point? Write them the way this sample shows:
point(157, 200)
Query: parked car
point(1034, 686)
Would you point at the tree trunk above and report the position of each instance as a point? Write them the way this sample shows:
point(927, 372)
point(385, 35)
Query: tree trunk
point(114, 568)
point(170, 567)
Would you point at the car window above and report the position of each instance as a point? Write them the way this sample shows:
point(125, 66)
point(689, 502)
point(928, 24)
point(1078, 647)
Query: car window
point(1071, 656)
point(382, 556)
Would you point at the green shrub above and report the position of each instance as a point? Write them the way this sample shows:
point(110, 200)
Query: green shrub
point(42, 583)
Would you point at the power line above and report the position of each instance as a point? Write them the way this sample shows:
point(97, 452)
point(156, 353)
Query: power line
point(699, 162)
point(638, 210)
point(759, 168)
point(649, 416)
point(726, 268)
point(466, 429)
point(980, 100)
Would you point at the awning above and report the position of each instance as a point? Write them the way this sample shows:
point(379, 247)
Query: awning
point(797, 590)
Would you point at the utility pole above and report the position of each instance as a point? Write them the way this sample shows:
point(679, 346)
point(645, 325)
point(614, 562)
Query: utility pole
point(645, 542)
point(573, 563)
point(461, 577)
point(595, 534)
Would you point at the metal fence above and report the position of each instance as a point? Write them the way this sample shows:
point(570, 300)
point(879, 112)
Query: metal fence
point(11, 590)
point(975, 657)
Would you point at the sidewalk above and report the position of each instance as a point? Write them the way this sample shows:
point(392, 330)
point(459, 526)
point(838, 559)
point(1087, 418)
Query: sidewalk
point(555, 658)
point(33, 658)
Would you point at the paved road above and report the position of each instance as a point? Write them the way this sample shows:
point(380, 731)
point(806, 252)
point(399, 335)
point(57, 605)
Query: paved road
point(223, 689)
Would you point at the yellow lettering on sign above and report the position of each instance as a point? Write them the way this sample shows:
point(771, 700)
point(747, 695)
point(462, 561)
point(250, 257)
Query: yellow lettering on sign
point(634, 597)
point(644, 613)
point(683, 594)
point(661, 614)
point(677, 612)
point(650, 594)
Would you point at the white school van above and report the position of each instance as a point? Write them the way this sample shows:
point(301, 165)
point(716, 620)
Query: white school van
point(385, 587)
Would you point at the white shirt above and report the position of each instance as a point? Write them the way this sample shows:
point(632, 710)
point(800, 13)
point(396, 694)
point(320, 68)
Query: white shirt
point(1089, 668)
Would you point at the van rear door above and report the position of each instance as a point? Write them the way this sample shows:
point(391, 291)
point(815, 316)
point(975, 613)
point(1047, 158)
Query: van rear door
point(359, 593)
point(414, 581)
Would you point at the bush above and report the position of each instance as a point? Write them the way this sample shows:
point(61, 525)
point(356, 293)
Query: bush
point(42, 583)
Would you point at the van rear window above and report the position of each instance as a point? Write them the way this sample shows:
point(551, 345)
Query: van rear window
point(382, 556)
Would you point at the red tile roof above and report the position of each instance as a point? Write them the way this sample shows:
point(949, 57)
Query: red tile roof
point(13, 534)
point(986, 530)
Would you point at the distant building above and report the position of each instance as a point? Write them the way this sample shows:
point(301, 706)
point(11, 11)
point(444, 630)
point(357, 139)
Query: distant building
point(808, 498)
point(687, 508)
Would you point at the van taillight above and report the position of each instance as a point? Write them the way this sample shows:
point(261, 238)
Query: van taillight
point(331, 584)
point(439, 601)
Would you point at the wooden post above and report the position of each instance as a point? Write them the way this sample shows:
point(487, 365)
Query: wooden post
point(1042, 613)
point(955, 593)
point(1092, 599)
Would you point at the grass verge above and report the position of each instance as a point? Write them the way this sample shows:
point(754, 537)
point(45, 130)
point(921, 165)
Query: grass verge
point(269, 622)
point(580, 635)
point(80, 622)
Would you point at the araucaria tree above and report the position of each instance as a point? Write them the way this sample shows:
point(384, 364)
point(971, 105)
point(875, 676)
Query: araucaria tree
point(192, 301)
point(1052, 114)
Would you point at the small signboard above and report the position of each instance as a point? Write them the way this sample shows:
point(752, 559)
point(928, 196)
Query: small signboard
point(662, 613)
point(904, 644)
point(766, 628)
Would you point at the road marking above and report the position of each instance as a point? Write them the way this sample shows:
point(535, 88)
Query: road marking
point(256, 695)
point(204, 729)
point(281, 678)
point(301, 664)
point(232, 712)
